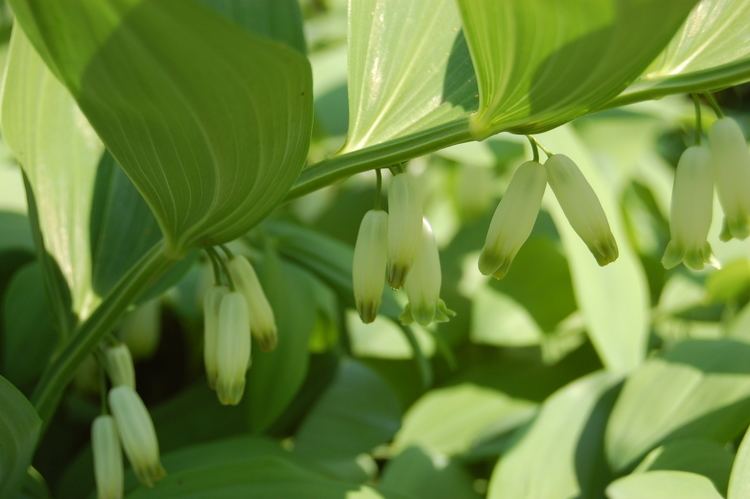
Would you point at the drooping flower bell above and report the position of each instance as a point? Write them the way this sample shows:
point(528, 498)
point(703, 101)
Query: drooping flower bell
point(211, 307)
point(369, 266)
point(137, 434)
point(262, 320)
point(513, 219)
point(232, 348)
point(105, 445)
point(423, 283)
point(731, 164)
point(404, 222)
point(119, 365)
point(692, 205)
point(581, 207)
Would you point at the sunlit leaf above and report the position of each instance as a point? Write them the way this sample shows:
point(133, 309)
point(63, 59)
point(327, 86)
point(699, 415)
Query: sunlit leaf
point(210, 122)
point(559, 454)
point(663, 485)
point(19, 429)
point(698, 389)
point(739, 480)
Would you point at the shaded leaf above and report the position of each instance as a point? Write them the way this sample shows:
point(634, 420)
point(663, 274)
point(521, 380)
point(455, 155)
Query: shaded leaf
point(19, 429)
point(739, 480)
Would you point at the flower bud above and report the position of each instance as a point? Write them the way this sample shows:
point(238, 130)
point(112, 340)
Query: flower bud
point(581, 207)
point(262, 321)
point(404, 221)
point(119, 365)
point(690, 217)
point(513, 219)
point(137, 434)
point(141, 329)
point(105, 445)
point(731, 163)
point(232, 348)
point(368, 269)
point(211, 307)
point(424, 279)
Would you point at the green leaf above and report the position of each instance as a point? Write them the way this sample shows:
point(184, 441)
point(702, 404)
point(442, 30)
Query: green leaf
point(274, 377)
point(614, 299)
point(663, 485)
point(357, 412)
point(540, 64)
point(559, 454)
point(454, 419)
point(416, 474)
point(19, 429)
point(261, 477)
point(698, 389)
point(409, 70)
point(710, 51)
point(29, 335)
point(739, 480)
point(703, 457)
point(210, 123)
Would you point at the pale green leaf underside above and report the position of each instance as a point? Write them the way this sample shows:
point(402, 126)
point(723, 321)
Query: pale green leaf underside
point(211, 123)
point(711, 50)
point(663, 485)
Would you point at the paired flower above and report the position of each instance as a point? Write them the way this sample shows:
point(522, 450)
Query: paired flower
point(232, 348)
point(690, 215)
point(262, 321)
point(211, 307)
point(513, 219)
point(119, 365)
point(581, 207)
point(137, 434)
point(404, 222)
point(105, 446)
point(731, 162)
point(369, 267)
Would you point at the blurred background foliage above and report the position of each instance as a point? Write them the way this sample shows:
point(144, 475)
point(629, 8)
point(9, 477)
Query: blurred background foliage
point(508, 398)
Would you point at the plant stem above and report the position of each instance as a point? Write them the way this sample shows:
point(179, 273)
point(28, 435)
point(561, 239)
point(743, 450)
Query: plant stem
point(88, 334)
point(698, 120)
point(534, 148)
point(714, 105)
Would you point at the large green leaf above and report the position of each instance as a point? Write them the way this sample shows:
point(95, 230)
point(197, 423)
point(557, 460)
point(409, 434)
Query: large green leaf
point(663, 485)
point(541, 63)
point(710, 51)
point(19, 429)
point(739, 480)
point(613, 299)
point(452, 420)
point(409, 70)
point(210, 123)
point(698, 389)
point(559, 454)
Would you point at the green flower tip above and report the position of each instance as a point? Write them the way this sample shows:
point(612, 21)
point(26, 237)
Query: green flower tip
point(605, 250)
point(230, 391)
point(397, 275)
point(736, 227)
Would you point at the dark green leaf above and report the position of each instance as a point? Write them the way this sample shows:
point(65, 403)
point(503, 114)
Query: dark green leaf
point(19, 429)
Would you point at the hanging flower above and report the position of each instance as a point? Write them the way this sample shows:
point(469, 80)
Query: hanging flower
point(105, 445)
point(211, 307)
point(119, 365)
point(404, 221)
point(262, 320)
point(513, 219)
point(731, 163)
point(137, 434)
point(369, 266)
point(232, 348)
point(581, 207)
point(692, 204)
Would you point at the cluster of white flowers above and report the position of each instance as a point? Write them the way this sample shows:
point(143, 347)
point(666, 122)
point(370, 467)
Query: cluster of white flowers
point(128, 428)
point(725, 162)
point(398, 246)
point(233, 313)
point(517, 211)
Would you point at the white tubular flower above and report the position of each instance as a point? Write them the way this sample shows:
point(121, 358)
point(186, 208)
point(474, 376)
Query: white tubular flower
point(423, 282)
point(404, 221)
point(262, 321)
point(368, 269)
point(232, 348)
point(690, 217)
point(211, 308)
point(105, 445)
point(137, 434)
point(581, 207)
point(119, 365)
point(731, 162)
point(513, 219)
